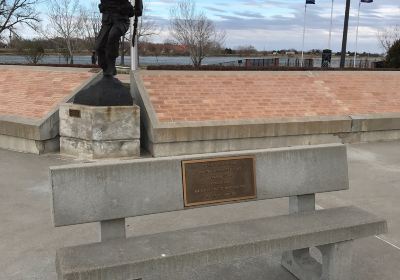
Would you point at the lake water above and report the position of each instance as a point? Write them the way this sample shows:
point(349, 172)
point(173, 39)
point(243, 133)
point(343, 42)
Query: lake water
point(146, 60)
point(172, 60)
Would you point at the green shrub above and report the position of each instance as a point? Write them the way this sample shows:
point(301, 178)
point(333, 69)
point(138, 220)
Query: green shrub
point(32, 50)
point(393, 56)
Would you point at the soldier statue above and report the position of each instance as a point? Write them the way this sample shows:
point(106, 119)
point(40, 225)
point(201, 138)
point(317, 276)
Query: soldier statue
point(115, 23)
point(109, 91)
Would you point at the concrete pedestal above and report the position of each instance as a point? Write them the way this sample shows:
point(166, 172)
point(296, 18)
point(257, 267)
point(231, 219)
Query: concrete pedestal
point(90, 132)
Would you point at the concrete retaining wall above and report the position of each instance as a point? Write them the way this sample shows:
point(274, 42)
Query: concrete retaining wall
point(35, 135)
point(179, 138)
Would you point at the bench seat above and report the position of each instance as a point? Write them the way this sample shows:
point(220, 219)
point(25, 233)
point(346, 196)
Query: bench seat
point(172, 252)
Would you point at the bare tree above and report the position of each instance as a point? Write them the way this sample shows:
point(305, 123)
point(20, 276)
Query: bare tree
point(388, 36)
point(14, 12)
point(194, 30)
point(32, 50)
point(147, 27)
point(91, 23)
point(65, 24)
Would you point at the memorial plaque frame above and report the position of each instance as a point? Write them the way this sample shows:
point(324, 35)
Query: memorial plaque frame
point(223, 180)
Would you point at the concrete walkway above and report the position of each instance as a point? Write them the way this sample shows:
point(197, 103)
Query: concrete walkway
point(28, 239)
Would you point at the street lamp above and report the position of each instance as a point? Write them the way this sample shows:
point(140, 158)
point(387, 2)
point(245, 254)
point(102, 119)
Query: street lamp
point(134, 44)
point(345, 30)
point(134, 33)
point(327, 53)
point(10, 39)
point(330, 29)
point(304, 29)
point(134, 49)
point(358, 25)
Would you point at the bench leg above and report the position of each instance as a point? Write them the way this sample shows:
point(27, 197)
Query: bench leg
point(113, 229)
point(336, 258)
point(301, 264)
point(336, 261)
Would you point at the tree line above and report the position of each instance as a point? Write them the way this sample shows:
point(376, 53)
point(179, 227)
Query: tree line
point(72, 29)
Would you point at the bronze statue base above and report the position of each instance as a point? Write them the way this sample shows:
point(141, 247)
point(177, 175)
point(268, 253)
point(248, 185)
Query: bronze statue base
point(108, 91)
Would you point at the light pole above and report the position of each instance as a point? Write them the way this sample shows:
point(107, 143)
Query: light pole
point(10, 37)
point(358, 25)
point(138, 12)
point(345, 31)
point(330, 28)
point(134, 47)
point(327, 53)
point(304, 29)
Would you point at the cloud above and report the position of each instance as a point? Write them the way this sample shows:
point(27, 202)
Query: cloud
point(214, 9)
point(248, 14)
point(279, 23)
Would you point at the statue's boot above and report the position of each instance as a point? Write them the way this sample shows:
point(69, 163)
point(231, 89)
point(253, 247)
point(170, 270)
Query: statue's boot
point(110, 69)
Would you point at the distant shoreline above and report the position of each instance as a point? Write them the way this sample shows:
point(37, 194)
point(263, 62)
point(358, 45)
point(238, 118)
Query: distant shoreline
point(6, 52)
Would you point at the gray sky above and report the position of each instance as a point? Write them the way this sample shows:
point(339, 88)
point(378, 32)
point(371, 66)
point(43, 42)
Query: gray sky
point(276, 24)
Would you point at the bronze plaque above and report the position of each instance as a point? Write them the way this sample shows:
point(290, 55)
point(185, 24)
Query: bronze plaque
point(218, 180)
point(74, 113)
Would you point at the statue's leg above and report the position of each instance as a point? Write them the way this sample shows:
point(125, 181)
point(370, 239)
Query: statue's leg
point(101, 41)
point(118, 29)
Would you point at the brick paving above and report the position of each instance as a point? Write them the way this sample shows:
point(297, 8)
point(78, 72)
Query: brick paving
point(33, 92)
point(204, 96)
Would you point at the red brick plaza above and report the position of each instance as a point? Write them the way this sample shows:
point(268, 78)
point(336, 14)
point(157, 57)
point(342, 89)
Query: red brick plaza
point(204, 96)
point(33, 92)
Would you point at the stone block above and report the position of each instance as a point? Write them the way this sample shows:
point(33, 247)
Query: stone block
point(99, 132)
point(99, 123)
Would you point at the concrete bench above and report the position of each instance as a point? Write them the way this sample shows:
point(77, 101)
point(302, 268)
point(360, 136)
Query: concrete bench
point(112, 191)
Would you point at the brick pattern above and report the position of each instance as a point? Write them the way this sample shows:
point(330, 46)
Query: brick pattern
point(191, 96)
point(32, 92)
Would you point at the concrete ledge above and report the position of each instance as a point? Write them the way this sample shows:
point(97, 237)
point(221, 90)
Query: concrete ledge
point(198, 131)
point(29, 128)
point(373, 136)
point(214, 146)
point(375, 122)
point(20, 127)
point(24, 145)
